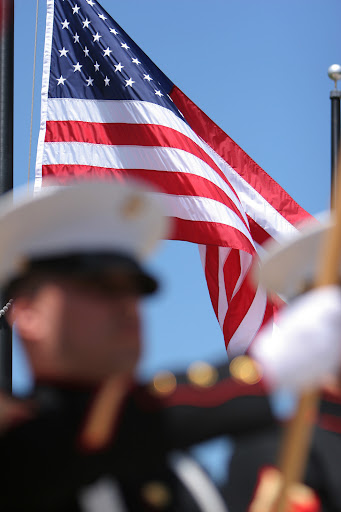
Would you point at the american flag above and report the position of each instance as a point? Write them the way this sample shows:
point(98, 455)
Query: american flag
point(108, 110)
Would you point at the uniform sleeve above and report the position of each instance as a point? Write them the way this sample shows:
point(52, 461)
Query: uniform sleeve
point(204, 403)
point(172, 413)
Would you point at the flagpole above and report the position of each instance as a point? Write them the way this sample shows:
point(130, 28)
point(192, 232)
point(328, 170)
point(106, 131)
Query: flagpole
point(298, 434)
point(334, 72)
point(6, 158)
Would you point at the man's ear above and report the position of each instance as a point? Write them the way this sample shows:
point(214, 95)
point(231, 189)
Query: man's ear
point(25, 316)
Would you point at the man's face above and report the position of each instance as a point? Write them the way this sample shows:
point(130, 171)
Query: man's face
point(91, 327)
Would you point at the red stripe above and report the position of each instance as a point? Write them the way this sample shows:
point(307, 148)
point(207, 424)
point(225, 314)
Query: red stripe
point(238, 307)
point(217, 395)
point(212, 233)
point(331, 423)
point(175, 183)
point(259, 235)
point(124, 134)
point(240, 161)
point(269, 312)
point(211, 274)
point(231, 271)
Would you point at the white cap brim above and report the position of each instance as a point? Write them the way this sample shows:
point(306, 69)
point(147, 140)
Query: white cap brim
point(290, 268)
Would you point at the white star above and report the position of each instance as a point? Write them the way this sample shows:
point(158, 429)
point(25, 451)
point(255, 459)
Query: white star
point(90, 81)
point(86, 23)
point(75, 9)
point(96, 37)
point(65, 24)
point(129, 82)
point(86, 52)
point(96, 66)
point(107, 52)
point(124, 45)
point(102, 17)
point(147, 77)
point(158, 93)
point(113, 31)
point(77, 67)
point(76, 38)
point(118, 67)
point(136, 61)
point(60, 80)
point(106, 81)
point(90, 2)
point(63, 52)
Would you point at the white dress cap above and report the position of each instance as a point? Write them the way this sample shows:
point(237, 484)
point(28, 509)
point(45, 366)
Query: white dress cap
point(107, 216)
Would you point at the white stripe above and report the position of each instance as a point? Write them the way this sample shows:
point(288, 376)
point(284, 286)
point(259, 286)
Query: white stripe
point(199, 484)
point(249, 326)
point(116, 111)
point(44, 92)
point(260, 250)
point(202, 209)
point(222, 298)
point(202, 253)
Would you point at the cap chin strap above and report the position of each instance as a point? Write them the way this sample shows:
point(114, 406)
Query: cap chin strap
point(4, 310)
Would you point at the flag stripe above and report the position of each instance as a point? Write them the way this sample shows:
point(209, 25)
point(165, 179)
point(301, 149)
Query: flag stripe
point(240, 162)
point(223, 299)
point(244, 327)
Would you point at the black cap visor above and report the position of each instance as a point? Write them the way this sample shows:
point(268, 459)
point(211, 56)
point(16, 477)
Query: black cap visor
point(110, 271)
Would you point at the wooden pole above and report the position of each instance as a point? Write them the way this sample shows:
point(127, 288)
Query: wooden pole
point(297, 437)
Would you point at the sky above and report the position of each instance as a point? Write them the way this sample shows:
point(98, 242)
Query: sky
point(258, 68)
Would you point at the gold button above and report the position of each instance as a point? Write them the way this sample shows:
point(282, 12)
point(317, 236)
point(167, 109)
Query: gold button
point(156, 494)
point(245, 369)
point(164, 383)
point(202, 374)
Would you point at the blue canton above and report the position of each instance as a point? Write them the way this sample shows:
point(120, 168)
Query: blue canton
point(93, 58)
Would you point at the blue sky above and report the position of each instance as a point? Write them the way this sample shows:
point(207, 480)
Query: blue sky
point(258, 68)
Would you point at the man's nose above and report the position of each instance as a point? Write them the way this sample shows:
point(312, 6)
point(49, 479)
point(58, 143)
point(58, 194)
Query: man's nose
point(129, 305)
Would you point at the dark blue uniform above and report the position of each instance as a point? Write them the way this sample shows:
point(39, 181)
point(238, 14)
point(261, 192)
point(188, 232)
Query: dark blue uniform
point(45, 467)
